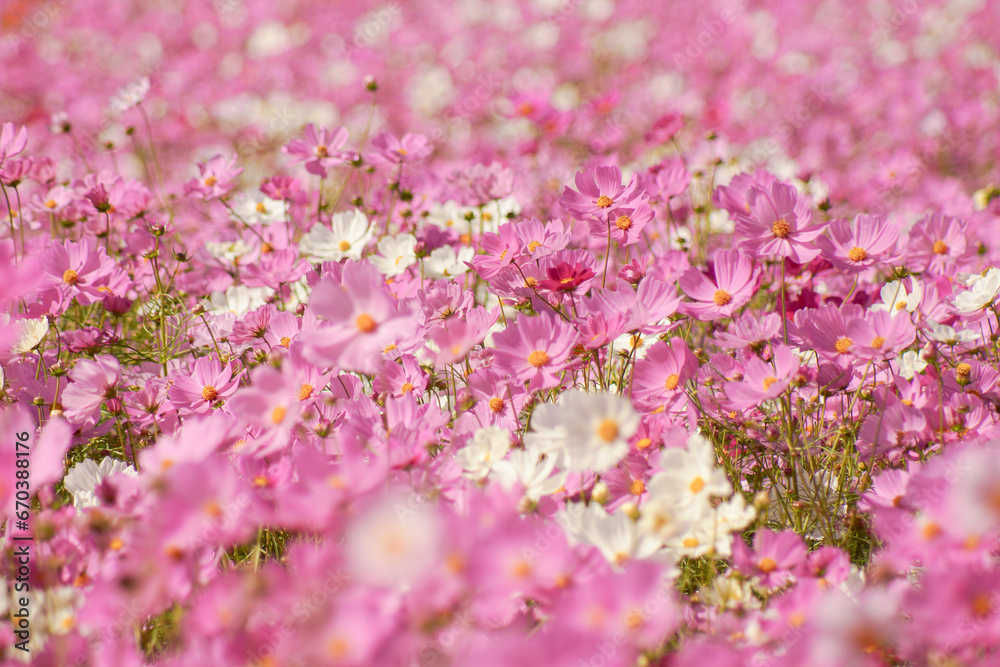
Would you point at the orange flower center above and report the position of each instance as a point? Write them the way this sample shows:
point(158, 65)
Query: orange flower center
point(768, 382)
point(210, 181)
point(538, 358)
point(607, 430)
point(623, 222)
point(843, 345)
point(672, 381)
point(963, 369)
point(406, 388)
point(278, 414)
point(496, 404)
point(767, 564)
point(305, 391)
point(878, 342)
point(71, 277)
point(533, 246)
point(51, 203)
point(722, 297)
point(697, 484)
point(638, 487)
point(344, 246)
point(366, 323)
point(285, 341)
point(604, 201)
point(209, 393)
point(781, 228)
point(321, 151)
point(940, 248)
point(857, 254)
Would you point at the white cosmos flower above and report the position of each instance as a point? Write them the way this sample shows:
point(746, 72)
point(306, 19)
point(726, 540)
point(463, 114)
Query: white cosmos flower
point(228, 251)
point(395, 255)
point(590, 430)
point(895, 297)
point(448, 215)
point(30, 334)
point(346, 238)
point(84, 477)
point(129, 95)
point(616, 536)
point(981, 293)
point(534, 473)
point(486, 448)
point(445, 262)
point(910, 364)
point(689, 476)
point(948, 335)
point(239, 299)
point(256, 208)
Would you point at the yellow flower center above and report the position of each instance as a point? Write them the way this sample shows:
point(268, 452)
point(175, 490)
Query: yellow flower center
point(638, 487)
point(538, 358)
point(210, 181)
point(51, 203)
point(607, 430)
point(857, 254)
point(209, 393)
point(767, 564)
point(722, 297)
point(963, 370)
point(533, 246)
point(645, 443)
point(321, 151)
point(260, 207)
point(366, 323)
point(781, 228)
point(697, 484)
point(278, 414)
point(389, 348)
point(71, 277)
point(623, 222)
point(338, 647)
point(690, 543)
point(604, 201)
point(305, 391)
point(531, 282)
point(496, 404)
point(116, 544)
point(406, 388)
point(940, 248)
point(344, 246)
point(878, 342)
point(768, 382)
point(672, 381)
point(285, 341)
point(843, 345)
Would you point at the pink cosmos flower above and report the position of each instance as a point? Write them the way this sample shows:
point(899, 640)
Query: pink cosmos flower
point(854, 248)
point(534, 350)
point(363, 318)
point(271, 403)
point(319, 149)
point(12, 143)
point(390, 150)
point(938, 244)
point(624, 223)
point(777, 224)
point(773, 558)
point(80, 271)
point(217, 178)
point(600, 189)
point(658, 380)
point(750, 332)
point(734, 284)
point(880, 335)
point(497, 251)
point(92, 383)
point(762, 381)
point(207, 383)
point(568, 271)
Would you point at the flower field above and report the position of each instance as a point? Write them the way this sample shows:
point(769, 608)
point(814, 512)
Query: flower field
point(482, 333)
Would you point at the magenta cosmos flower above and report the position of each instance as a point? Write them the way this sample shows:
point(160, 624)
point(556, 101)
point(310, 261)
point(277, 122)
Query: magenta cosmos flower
point(319, 149)
point(853, 248)
point(390, 150)
point(762, 380)
point(733, 285)
point(777, 224)
point(534, 350)
point(623, 223)
point(93, 382)
point(600, 189)
point(216, 178)
point(363, 318)
point(208, 382)
point(658, 380)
